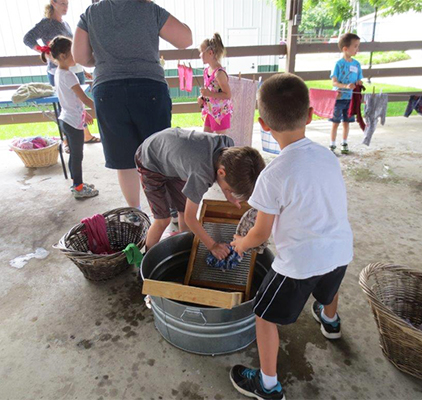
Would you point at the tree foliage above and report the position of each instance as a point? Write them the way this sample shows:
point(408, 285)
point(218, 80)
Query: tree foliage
point(342, 10)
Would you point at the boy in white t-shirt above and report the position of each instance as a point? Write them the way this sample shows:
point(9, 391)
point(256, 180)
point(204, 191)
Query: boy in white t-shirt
point(301, 199)
point(73, 115)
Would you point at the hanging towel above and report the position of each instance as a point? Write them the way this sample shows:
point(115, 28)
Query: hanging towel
point(188, 79)
point(244, 103)
point(414, 104)
point(355, 105)
point(181, 73)
point(323, 102)
point(32, 91)
point(230, 262)
point(96, 230)
point(375, 107)
point(246, 223)
point(133, 254)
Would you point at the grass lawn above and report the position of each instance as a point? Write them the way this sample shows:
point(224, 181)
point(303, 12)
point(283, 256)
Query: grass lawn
point(183, 120)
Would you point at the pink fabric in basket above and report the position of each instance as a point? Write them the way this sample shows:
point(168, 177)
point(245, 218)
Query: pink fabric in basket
point(96, 230)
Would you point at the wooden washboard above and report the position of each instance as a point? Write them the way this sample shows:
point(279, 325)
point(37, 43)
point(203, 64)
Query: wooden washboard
point(220, 219)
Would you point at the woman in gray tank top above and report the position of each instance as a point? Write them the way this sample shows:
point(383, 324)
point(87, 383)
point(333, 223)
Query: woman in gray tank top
point(48, 28)
point(120, 39)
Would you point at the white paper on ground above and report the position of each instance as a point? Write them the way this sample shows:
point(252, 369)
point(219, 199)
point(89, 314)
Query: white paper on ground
point(21, 261)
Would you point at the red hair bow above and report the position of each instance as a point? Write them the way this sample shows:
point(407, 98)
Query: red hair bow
point(44, 49)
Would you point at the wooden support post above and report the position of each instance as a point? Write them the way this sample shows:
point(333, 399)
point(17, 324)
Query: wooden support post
point(294, 16)
point(291, 47)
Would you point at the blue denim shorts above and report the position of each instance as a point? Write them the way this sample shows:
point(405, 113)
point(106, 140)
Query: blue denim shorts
point(129, 111)
point(341, 109)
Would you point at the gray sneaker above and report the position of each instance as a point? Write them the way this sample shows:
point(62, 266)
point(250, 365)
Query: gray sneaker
point(344, 148)
point(85, 193)
point(86, 184)
point(333, 147)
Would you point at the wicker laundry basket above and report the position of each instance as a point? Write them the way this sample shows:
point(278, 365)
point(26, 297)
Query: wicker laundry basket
point(120, 231)
point(395, 295)
point(37, 158)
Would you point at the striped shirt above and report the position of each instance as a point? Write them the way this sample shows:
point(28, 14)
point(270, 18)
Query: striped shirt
point(46, 30)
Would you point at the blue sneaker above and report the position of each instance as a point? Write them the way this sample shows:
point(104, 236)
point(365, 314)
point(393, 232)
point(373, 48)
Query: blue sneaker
point(249, 383)
point(331, 330)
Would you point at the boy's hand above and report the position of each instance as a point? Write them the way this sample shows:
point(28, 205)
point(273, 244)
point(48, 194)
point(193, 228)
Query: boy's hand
point(220, 250)
point(206, 92)
point(88, 75)
point(88, 119)
point(360, 83)
point(229, 196)
point(350, 86)
point(237, 244)
point(201, 101)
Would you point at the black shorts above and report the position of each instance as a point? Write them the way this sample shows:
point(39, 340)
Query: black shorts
point(129, 111)
point(281, 299)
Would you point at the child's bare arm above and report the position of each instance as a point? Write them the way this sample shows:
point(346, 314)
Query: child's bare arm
point(257, 235)
point(223, 82)
point(82, 96)
point(219, 250)
point(339, 85)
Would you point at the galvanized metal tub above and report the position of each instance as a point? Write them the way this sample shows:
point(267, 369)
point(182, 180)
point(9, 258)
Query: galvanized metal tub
point(198, 329)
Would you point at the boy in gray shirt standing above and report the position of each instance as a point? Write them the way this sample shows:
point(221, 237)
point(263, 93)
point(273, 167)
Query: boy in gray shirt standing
point(180, 166)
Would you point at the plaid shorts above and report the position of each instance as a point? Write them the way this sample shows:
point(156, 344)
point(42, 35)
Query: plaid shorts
point(162, 192)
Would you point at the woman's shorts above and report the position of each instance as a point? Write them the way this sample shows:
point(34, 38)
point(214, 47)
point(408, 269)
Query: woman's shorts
point(222, 126)
point(341, 111)
point(281, 299)
point(129, 111)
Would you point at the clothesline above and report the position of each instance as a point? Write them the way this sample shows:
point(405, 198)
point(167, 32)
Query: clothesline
point(389, 94)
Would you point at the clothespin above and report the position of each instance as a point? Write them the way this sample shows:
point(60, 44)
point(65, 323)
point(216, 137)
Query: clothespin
point(240, 76)
point(373, 89)
point(178, 62)
point(253, 78)
point(162, 61)
point(190, 66)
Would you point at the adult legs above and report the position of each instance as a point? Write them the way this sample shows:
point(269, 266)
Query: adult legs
point(130, 185)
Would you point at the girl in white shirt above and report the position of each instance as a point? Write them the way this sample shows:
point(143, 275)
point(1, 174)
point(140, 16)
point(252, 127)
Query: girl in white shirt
point(73, 115)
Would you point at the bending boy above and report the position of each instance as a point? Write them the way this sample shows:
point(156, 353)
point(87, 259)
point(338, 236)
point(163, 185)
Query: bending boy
point(179, 166)
point(301, 199)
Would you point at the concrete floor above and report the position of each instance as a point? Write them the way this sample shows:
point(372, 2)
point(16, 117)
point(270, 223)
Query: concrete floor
point(63, 337)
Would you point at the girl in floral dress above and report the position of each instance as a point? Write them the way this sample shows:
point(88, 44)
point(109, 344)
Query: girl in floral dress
point(215, 96)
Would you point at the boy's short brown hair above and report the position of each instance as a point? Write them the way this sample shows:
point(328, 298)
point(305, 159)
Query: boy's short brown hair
point(283, 102)
point(243, 166)
point(346, 40)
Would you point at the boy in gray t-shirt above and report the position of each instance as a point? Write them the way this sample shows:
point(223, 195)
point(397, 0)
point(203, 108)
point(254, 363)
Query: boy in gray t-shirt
point(177, 168)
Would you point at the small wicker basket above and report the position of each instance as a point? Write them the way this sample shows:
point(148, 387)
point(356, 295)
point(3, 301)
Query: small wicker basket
point(36, 158)
point(120, 231)
point(395, 296)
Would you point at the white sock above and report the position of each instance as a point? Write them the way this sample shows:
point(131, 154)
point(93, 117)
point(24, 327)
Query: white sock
point(268, 381)
point(328, 319)
point(344, 142)
point(333, 143)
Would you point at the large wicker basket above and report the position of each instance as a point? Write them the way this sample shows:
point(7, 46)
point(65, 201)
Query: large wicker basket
point(37, 158)
point(120, 231)
point(395, 295)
